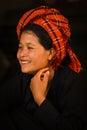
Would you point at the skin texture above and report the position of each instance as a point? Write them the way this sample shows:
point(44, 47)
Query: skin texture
point(35, 59)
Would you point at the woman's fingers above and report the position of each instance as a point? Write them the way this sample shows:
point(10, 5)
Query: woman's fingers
point(39, 85)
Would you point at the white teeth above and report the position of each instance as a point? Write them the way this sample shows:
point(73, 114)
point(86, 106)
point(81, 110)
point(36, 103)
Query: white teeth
point(24, 62)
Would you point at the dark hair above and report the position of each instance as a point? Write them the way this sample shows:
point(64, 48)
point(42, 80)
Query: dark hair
point(43, 36)
point(44, 39)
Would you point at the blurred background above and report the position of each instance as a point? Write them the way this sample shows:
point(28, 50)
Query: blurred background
point(10, 13)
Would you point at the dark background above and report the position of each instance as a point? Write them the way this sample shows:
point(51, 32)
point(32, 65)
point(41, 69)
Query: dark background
point(10, 13)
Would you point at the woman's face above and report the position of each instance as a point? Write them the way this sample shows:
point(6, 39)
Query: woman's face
point(31, 55)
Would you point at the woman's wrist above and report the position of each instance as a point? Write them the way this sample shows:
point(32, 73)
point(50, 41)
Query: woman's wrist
point(40, 101)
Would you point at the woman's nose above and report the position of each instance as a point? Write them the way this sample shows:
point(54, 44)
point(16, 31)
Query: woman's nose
point(23, 52)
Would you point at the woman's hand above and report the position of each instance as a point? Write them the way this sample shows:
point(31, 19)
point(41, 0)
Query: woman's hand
point(39, 85)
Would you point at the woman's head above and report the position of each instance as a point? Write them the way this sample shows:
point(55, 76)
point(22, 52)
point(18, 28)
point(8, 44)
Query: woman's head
point(35, 49)
point(42, 35)
point(57, 27)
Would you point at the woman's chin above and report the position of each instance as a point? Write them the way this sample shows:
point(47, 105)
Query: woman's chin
point(27, 71)
point(24, 70)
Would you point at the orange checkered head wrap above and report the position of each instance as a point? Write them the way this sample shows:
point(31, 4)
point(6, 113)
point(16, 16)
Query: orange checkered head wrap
point(57, 26)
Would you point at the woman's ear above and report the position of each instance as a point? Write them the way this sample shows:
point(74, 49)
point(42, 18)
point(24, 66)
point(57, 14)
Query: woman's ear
point(51, 53)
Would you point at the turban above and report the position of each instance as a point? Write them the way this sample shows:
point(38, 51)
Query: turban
point(58, 29)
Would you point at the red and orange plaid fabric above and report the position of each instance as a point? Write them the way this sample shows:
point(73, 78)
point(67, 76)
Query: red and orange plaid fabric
point(58, 29)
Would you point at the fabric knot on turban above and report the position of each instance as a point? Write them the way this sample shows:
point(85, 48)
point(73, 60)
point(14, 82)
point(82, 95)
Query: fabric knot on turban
point(58, 29)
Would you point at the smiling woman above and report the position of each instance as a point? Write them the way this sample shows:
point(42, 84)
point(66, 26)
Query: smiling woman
point(50, 91)
point(29, 50)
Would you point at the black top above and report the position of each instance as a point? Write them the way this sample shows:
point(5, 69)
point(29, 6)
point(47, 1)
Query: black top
point(64, 109)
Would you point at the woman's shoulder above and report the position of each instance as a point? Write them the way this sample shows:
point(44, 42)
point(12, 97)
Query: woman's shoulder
point(67, 73)
point(12, 80)
point(68, 79)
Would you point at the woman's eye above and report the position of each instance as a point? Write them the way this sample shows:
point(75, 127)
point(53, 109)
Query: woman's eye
point(30, 47)
point(19, 47)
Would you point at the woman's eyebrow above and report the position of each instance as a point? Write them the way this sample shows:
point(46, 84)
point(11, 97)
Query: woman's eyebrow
point(26, 43)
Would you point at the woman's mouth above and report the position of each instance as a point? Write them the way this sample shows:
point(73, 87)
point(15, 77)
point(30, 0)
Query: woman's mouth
point(25, 62)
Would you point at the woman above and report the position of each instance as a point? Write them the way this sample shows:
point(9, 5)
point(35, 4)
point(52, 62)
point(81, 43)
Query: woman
point(50, 92)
